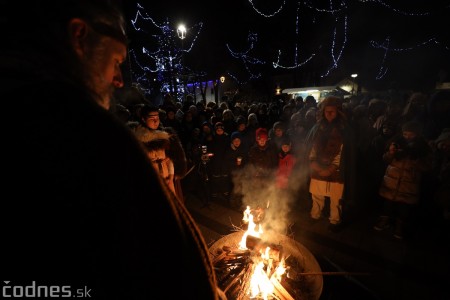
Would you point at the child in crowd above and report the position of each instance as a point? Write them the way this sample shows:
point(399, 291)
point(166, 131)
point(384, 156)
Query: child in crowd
point(286, 163)
point(408, 158)
point(156, 142)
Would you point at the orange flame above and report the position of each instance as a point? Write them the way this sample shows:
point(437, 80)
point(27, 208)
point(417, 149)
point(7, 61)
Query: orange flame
point(260, 281)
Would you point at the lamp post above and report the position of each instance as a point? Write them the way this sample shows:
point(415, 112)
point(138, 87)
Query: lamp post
point(220, 90)
point(181, 31)
point(354, 75)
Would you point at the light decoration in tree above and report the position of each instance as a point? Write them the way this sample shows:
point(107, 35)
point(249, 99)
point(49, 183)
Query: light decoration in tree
point(266, 15)
point(246, 59)
point(402, 12)
point(385, 47)
point(158, 65)
point(339, 11)
point(296, 64)
point(337, 57)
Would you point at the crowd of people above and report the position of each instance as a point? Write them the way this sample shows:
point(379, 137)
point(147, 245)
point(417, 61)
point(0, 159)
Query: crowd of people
point(95, 198)
point(338, 157)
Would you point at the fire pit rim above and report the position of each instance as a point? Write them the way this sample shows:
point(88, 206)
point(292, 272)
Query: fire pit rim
point(290, 246)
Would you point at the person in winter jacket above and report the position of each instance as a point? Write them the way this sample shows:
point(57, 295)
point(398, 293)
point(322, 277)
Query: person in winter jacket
point(262, 164)
point(156, 142)
point(150, 122)
point(408, 158)
point(330, 161)
point(286, 163)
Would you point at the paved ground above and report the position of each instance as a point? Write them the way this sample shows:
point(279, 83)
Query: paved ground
point(414, 268)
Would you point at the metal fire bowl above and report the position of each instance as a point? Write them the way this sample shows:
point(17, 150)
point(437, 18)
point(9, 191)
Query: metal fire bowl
point(290, 247)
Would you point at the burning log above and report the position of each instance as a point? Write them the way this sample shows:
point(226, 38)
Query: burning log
point(243, 288)
point(256, 244)
point(219, 257)
point(252, 242)
point(231, 277)
point(279, 290)
point(235, 280)
point(260, 270)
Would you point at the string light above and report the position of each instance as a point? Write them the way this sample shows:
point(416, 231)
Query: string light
point(383, 70)
point(166, 57)
point(164, 62)
point(268, 15)
point(397, 10)
point(429, 41)
point(296, 64)
point(246, 59)
point(340, 7)
point(336, 59)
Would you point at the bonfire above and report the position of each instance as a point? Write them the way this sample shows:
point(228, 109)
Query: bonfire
point(249, 267)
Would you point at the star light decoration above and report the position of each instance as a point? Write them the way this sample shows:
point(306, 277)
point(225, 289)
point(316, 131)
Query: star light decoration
point(158, 66)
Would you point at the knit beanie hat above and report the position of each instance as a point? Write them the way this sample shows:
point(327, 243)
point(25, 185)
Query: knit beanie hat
point(241, 120)
point(236, 135)
point(278, 125)
point(262, 133)
point(218, 125)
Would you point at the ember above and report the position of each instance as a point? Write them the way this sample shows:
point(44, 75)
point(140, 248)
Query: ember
point(248, 268)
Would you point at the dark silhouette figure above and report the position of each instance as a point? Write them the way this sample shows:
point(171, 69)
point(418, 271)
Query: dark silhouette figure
point(85, 205)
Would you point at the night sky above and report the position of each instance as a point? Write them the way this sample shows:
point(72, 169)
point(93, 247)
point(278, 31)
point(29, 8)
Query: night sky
point(416, 33)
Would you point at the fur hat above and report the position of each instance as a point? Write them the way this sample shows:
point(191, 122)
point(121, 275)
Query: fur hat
point(331, 101)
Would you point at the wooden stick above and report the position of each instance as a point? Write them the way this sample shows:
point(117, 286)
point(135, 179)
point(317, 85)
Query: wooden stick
point(230, 275)
point(334, 273)
point(235, 279)
point(279, 290)
point(219, 257)
point(246, 282)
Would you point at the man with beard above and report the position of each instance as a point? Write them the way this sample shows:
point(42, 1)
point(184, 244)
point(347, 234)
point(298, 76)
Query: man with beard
point(85, 206)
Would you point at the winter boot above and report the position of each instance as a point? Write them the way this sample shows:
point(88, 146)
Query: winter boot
point(399, 231)
point(383, 223)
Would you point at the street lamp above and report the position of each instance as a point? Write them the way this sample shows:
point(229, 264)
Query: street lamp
point(354, 75)
point(181, 31)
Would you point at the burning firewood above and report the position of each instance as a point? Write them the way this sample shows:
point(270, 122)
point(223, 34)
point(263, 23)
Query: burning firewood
point(237, 278)
point(279, 290)
point(256, 244)
point(248, 266)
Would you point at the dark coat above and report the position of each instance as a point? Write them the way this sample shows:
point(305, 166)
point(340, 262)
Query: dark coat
point(85, 205)
point(403, 176)
point(263, 162)
point(347, 165)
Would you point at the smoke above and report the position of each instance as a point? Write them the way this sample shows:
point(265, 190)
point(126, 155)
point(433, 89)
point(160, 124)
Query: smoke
point(278, 203)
